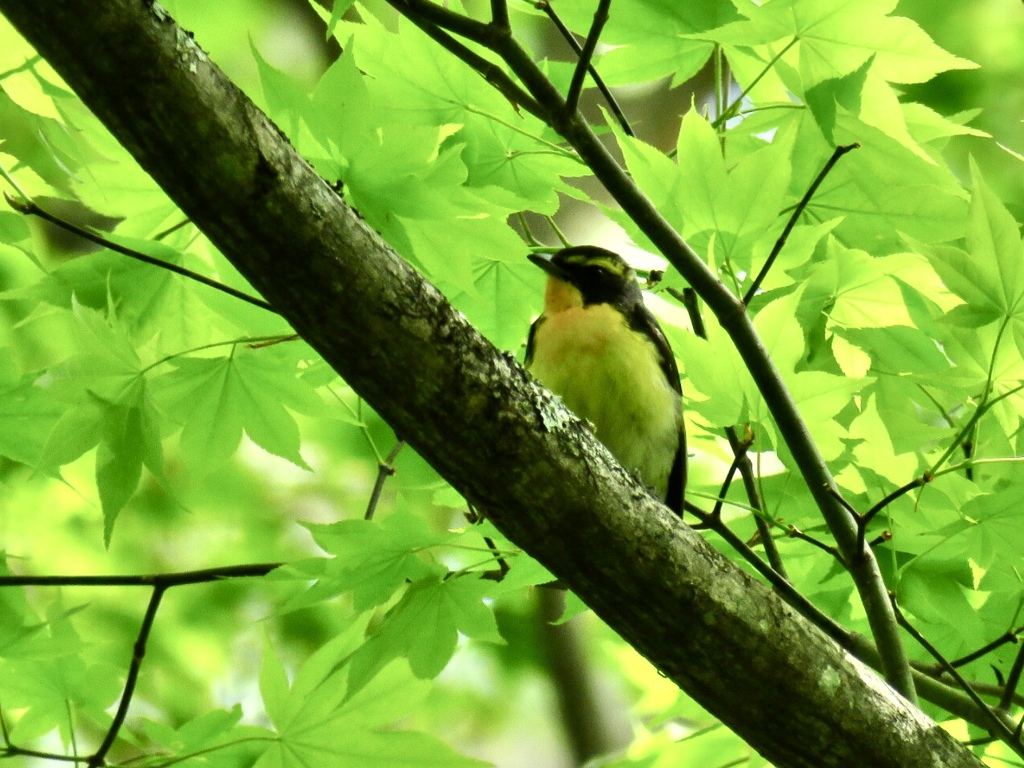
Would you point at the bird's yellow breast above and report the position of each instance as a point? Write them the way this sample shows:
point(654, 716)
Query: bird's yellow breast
point(610, 375)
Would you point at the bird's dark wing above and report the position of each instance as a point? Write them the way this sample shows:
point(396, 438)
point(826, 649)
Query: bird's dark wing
point(644, 321)
point(677, 478)
point(529, 340)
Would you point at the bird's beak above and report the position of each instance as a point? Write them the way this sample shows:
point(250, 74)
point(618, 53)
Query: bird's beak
point(543, 260)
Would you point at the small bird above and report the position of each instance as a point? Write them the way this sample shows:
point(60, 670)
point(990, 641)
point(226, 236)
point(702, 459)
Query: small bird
point(602, 351)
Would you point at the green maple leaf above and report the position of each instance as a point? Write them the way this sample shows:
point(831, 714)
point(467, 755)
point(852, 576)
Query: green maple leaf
point(27, 414)
point(371, 558)
point(109, 406)
point(989, 274)
point(424, 627)
point(702, 199)
point(216, 399)
point(836, 37)
point(319, 718)
point(652, 39)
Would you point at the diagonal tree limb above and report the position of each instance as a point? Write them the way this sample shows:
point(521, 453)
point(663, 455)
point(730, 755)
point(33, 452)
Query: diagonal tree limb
point(472, 412)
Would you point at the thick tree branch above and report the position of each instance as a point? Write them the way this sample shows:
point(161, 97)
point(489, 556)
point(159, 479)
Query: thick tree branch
point(471, 411)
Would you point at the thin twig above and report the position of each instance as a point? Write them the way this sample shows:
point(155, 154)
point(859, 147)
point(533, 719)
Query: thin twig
point(385, 469)
point(804, 201)
point(12, 751)
point(834, 493)
point(716, 512)
point(491, 72)
point(159, 583)
point(567, 34)
point(881, 538)
point(741, 449)
point(31, 208)
point(444, 18)
point(1013, 679)
point(1013, 636)
point(997, 724)
point(795, 533)
point(138, 653)
point(917, 482)
point(9, 750)
point(981, 410)
point(503, 566)
point(165, 580)
point(688, 297)
point(171, 229)
point(935, 671)
point(273, 342)
point(572, 98)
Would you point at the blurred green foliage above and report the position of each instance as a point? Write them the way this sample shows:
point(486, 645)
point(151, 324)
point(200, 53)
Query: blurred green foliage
point(149, 424)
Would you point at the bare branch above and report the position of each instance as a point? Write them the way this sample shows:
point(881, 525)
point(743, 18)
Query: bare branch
point(586, 54)
point(31, 208)
point(606, 92)
point(793, 218)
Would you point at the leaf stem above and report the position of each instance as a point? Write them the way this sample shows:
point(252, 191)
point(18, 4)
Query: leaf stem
point(733, 109)
point(560, 151)
point(17, 187)
point(981, 410)
point(213, 345)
